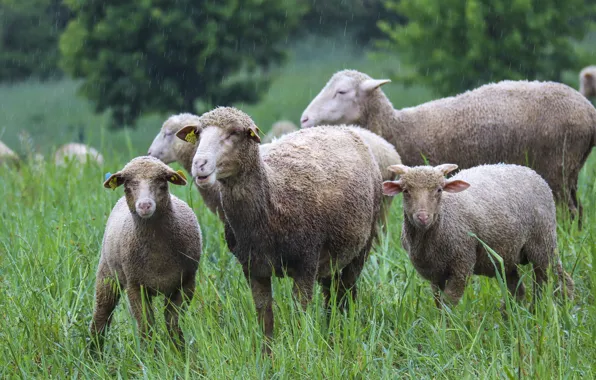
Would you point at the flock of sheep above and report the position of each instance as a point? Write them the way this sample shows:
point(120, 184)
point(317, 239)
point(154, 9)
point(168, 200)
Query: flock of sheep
point(309, 203)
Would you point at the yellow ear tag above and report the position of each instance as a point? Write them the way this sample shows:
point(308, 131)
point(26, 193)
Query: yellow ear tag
point(181, 174)
point(252, 133)
point(191, 137)
point(113, 183)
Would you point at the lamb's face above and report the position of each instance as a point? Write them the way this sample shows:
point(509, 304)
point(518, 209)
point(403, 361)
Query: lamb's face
point(341, 101)
point(166, 145)
point(422, 188)
point(222, 148)
point(145, 181)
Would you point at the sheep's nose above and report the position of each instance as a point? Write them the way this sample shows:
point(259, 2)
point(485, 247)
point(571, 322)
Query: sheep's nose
point(145, 208)
point(149, 152)
point(200, 163)
point(304, 119)
point(422, 218)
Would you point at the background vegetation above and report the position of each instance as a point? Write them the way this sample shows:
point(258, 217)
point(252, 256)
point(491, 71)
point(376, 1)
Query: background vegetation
point(52, 221)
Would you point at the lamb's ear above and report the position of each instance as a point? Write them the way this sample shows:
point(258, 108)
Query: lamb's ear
point(446, 168)
point(399, 169)
point(371, 84)
point(177, 177)
point(112, 181)
point(189, 134)
point(253, 133)
point(392, 188)
point(455, 186)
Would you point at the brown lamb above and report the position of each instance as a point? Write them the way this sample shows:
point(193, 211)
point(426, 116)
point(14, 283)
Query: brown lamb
point(152, 244)
point(509, 207)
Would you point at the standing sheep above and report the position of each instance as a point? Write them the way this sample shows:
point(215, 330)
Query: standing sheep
point(548, 126)
point(587, 81)
point(278, 129)
point(307, 208)
point(509, 207)
point(77, 151)
point(152, 243)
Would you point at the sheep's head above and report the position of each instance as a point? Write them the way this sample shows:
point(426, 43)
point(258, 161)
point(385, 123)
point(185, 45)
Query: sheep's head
point(145, 181)
point(342, 100)
point(228, 140)
point(166, 146)
point(422, 187)
point(587, 82)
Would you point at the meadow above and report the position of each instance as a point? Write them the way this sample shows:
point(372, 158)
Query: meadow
point(52, 222)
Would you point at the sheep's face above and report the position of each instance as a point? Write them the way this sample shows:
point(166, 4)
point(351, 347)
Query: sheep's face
point(341, 101)
point(227, 137)
point(422, 189)
point(166, 145)
point(145, 181)
point(587, 85)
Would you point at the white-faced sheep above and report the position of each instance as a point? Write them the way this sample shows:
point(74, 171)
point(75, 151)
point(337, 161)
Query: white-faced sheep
point(547, 126)
point(509, 207)
point(587, 81)
point(278, 129)
point(77, 151)
point(307, 208)
point(152, 244)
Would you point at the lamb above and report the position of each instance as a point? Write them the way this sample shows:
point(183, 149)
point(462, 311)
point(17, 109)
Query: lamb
point(307, 208)
point(152, 244)
point(278, 129)
point(587, 81)
point(77, 151)
point(547, 126)
point(7, 155)
point(509, 207)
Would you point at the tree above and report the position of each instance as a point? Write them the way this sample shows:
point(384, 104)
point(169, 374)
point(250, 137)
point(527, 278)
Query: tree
point(158, 55)
point(456, 45)
point(29, 32)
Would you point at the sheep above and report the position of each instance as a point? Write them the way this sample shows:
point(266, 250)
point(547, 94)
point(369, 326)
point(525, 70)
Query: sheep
point(152, 243)
point(307, 208)
point(77, 151)
point(509, 207)
point(548, 126)
point(278, 129)
point(7, 155)
point(587, 81)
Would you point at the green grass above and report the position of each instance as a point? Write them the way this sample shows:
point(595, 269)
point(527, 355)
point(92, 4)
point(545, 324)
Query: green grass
point(52, 222)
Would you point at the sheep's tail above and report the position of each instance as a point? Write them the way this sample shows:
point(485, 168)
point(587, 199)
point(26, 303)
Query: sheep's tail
point(565, 281)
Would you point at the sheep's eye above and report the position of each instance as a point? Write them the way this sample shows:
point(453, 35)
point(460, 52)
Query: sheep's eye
point(342, 92)
point(406, 191)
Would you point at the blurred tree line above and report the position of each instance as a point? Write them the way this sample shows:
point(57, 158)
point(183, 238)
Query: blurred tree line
point(140, 56)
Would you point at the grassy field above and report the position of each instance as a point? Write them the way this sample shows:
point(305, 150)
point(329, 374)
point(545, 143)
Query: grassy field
point(52, 221)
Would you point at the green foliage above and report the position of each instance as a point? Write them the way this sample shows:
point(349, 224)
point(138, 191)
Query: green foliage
point(157, 55)
point(29, 32)
point(457, 45)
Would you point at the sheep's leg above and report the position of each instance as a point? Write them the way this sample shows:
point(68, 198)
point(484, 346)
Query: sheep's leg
point(327, 283)
point(140, 305)
point(515, 287)
point(436, 289)
point(577, 205)
point(349, 276)
point(303, 286)
point(229, 236)
point(173, 305)
point(454, 288)
point(107, 295)
point(565, 281)
point(263, 299)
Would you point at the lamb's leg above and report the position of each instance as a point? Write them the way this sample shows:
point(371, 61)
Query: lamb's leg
point(140, 305)
point(173, 305)
point(263, 299)
point(515, 287)
point(107, 295)
point(454, 288)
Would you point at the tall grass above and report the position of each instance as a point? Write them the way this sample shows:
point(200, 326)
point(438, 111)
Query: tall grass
point(51, 226)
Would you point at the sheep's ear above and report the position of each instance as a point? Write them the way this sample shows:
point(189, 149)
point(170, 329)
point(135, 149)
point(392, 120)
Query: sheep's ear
point(177, 177)
point(372, 84)
point(253, 133)
point(455, 186)
point(112, 181)
point(588, 76)
point(392, 188)
point(399, 169)
point(189, 133)
point(446, 168)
